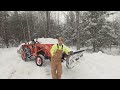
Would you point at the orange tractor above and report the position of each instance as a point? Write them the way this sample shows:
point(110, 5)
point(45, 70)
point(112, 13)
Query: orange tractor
point(38, 52)
point(41, 52)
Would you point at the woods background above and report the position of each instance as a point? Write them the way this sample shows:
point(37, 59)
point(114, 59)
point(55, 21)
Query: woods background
point(79, 28)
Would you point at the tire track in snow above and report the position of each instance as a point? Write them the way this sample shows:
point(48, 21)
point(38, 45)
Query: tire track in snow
point(29, 70)
point(14, 65)
point(11, 74)
point(48, 69)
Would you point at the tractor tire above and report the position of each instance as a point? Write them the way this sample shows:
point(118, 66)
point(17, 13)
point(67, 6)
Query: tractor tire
point(24, 56)
point(40, 60)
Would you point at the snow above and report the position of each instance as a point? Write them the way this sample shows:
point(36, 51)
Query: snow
point(13, 67)
point(47, 40)
point(92, 66)
point(42, 41)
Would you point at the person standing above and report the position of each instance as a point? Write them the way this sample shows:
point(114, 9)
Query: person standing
point(57, 51)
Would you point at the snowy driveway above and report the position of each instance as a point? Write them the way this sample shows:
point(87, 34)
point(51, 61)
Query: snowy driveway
point(95, 66)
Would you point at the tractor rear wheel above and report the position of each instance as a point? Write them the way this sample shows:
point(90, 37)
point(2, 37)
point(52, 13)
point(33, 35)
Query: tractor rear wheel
point(24, 56)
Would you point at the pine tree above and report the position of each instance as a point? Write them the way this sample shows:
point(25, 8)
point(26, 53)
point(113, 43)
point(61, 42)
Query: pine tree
point(99, 31)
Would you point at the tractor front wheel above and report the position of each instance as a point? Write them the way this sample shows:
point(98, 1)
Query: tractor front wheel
point(39, 60)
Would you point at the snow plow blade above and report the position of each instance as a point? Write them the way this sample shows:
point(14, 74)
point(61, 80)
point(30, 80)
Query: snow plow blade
point(73, 59)
point(80, 51)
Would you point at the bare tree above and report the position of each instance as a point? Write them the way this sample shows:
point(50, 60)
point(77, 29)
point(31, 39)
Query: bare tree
point(78, 32)
point(5, 27)
point(48, 23)
point(29, 33)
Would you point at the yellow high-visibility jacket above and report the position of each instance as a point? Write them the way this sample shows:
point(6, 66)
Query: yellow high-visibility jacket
point(56, 47)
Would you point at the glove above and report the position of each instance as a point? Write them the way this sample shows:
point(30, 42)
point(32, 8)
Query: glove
point(71, 53)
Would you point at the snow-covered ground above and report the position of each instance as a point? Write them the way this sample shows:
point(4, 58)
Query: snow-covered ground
point(94, 66)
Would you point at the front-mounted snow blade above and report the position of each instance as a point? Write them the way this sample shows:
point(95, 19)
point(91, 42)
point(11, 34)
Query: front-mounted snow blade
point(73, 60)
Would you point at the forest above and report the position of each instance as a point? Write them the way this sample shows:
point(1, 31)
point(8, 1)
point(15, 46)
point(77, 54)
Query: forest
point(79, 28)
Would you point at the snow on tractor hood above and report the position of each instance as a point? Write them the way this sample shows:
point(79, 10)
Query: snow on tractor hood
point(47, 41)
point(43, 41)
